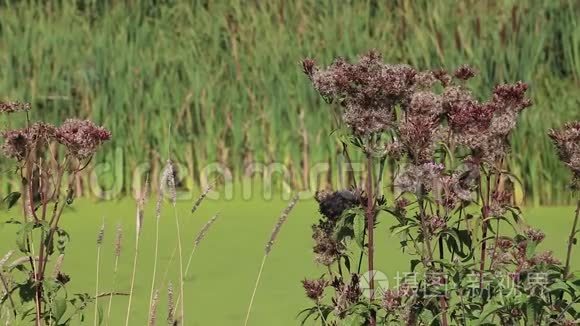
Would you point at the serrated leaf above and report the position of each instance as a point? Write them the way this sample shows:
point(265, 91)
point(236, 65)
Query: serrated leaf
point(359, 230)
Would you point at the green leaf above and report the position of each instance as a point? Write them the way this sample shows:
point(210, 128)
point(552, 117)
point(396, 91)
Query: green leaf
point(22, 237)
point(354, 320)
point(400, 229)
point(11, 199)
point(530, 249)
point(359, 230)
point(58, 308)
point(487, 311)
point(414, 263)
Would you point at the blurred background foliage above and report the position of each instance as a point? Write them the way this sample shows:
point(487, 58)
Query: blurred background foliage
point(221, 80)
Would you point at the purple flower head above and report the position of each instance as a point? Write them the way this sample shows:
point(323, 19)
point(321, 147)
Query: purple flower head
point(464, 72)
point(567, 143)
point(11, 107)
point(314, 288)
point(81, 137)
point(18, 143)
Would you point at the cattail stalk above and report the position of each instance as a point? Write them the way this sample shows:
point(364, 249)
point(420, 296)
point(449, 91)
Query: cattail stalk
point(99, 244)
point(139, 223)
point(118, 241)
point(281, 220)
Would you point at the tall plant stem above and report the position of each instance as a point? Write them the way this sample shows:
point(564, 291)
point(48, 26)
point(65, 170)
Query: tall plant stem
point(181, 281)
point(133, 278)
point(114, 285)
point(155, 258)
point(484, 216)
point(571, 240)
point(255, 289)
point(370, 217)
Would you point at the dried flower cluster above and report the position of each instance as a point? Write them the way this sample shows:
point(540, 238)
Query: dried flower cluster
point(567, 142)
point(10, 107)
point(448, 150)
point(314, 288)
point(332, 205)
point(82, 138)
point(370, 91)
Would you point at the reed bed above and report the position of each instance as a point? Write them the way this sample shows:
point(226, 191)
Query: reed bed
point(219, 72)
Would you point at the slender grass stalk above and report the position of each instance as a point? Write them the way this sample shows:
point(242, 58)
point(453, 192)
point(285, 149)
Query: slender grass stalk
point(99, 245)
point(173, 197)
point(158, 207)
point(5, 282)
point(200, 236)
point(139, 226)
point(571, 240)
point(118, 247)
point(283, 217)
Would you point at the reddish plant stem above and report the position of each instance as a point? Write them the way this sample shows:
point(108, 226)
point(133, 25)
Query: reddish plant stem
point(370, 217)
point(571, 240)
point(484, 216)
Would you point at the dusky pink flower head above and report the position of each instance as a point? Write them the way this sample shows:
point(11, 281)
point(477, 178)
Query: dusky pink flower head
point(567, 143)
point(464, 72)
point(314, 288)
point(81, 137)
point(18, 143)
point(10, 107)
point(368, 89)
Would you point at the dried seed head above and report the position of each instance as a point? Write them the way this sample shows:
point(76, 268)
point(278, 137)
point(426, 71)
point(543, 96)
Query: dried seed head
point(141, 205)
point(201, 198)
point(101, 235)
point(58, 266)
point(10, 107)
point(118, 240)
point(154, 304)
point(5, 258)
point(170, 304)
point(283, 217)
point(203, 232)
point(169, 176)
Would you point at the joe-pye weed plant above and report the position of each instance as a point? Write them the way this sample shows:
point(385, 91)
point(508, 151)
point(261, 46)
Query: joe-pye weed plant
point(472, 257)
point(48, 159)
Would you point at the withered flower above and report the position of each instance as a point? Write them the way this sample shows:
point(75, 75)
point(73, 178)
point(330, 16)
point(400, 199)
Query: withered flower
point(314, 288)
point(11, 107)
point(567, 142)
point(81, 137)
point(18, 143)
point(333, 204)
point(464, 72)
